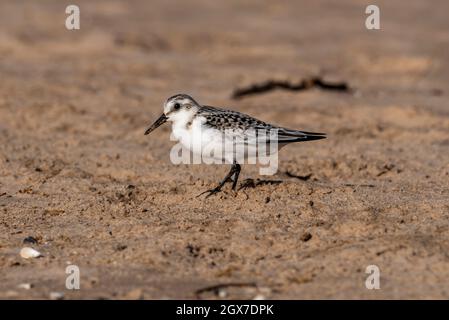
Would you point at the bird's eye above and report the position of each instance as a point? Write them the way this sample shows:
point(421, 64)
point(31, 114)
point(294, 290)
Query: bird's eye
point(177, 106)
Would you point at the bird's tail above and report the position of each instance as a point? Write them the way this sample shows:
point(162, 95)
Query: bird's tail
point(288, 135)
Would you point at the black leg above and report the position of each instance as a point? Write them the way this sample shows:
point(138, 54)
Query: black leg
point(235, 170)
point(236, 175)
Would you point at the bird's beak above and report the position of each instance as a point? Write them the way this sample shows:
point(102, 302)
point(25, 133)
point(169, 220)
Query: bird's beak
point(161, 120)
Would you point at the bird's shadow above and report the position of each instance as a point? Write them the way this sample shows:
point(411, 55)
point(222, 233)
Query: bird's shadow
point(253, 183)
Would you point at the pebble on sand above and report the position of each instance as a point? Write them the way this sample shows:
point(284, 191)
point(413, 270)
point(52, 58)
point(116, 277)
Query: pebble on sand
point(30, 239)
point(56, 295)
point(135, 294)
point(25, 286)
point(28, 253)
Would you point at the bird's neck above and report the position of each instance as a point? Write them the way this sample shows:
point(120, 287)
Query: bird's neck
point(183, 120)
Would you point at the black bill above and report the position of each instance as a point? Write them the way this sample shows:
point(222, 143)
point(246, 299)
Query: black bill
point(161, 120)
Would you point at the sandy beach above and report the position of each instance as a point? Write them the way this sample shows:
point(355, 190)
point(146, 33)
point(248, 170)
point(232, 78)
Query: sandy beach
point(78, 175)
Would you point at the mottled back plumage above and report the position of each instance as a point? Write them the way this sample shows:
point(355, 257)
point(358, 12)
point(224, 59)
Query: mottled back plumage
point(223, 119)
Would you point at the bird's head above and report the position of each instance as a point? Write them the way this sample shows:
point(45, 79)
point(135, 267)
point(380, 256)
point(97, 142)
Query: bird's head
point(179, 108)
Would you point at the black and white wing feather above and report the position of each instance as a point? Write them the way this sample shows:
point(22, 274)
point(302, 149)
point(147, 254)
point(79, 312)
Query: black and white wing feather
point(223, 119)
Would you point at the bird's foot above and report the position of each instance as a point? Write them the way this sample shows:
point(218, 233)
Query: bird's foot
point(211, 192)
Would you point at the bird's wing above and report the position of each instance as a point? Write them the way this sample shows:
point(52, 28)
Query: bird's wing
point(229, 120)
point(223, 119)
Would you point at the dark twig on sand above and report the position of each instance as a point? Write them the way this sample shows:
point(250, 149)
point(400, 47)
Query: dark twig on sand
point(305, 84)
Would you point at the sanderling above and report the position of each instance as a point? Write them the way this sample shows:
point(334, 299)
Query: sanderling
point(199, 127)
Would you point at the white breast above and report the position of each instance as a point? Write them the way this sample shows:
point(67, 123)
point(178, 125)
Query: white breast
point(214, 144)
point(198, 139)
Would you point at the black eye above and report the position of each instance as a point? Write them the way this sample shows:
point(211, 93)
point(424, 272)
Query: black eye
point(177, 106)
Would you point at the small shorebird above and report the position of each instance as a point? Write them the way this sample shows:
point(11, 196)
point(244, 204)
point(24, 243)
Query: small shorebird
point(198, 127)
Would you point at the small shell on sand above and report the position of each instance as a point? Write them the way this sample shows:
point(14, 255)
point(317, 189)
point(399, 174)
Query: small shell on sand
point(25, 286)
point(56, 296)
point(28, 253)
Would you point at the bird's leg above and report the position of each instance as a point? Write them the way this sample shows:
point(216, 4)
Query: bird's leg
point(236, 175)
point(235, 170)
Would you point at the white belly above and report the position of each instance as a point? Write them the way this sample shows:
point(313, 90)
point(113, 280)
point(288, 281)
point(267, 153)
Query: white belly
point(199, 139)
point(215, 145)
